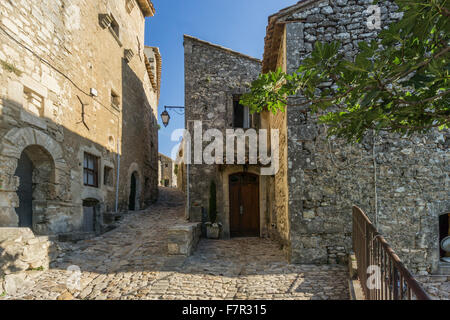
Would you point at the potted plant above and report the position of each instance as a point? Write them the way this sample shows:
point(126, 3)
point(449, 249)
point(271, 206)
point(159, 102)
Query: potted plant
point(212, 227)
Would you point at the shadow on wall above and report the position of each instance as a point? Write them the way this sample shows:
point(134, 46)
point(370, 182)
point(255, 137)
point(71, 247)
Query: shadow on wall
point(42, 173)
point(48, 184)
point(42, 177)
point(139, 143)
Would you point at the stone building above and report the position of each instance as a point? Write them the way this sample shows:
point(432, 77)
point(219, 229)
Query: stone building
point(167, 172)
point(402, 183)
point(78, 102)
point(215, 77)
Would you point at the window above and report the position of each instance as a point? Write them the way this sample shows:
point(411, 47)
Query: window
point(33, 102)
point(129, 4)
point(167, 165)
point(241, 114)
point(90, 173)
point(115, 100)
point(108, 176)
point(115, 27)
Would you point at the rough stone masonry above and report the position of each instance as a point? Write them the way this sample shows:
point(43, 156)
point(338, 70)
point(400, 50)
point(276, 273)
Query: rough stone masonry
point(402, 183)
point(78, 131)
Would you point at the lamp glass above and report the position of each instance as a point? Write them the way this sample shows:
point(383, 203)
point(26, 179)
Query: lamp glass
point(165, 118)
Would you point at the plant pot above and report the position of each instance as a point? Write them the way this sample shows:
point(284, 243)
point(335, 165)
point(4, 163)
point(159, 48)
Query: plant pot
point(212, 231)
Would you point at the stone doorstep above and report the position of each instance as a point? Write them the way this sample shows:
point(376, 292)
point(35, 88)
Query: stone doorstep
point(443, 268)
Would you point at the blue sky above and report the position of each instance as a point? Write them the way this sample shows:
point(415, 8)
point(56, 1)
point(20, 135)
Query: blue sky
point(237, 24)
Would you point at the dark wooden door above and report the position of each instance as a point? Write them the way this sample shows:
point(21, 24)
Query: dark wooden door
point(25, 191)
point(132, 200)
point(244, 205)
point(89, 219)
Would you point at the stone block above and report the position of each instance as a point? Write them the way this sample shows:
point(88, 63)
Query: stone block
point(310, 214)
point(33, 120)
point(15, 92)
point(24, 234)
point(303, 132)
point(183, 239)
point(51, 83)
point(309, 256)
point(35, 86)
point(13, 282)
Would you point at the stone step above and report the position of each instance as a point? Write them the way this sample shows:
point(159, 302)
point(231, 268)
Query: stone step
point(443, 268)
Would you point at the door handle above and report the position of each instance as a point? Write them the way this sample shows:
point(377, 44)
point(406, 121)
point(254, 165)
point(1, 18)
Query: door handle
point(241, 210)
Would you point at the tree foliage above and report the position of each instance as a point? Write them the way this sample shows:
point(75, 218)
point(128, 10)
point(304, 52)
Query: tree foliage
point(398, 83)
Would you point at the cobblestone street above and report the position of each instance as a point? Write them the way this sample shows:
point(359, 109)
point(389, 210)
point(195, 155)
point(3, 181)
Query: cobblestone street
point(131, 262)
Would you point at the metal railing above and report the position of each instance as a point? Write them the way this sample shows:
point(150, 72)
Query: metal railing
point(381, 273)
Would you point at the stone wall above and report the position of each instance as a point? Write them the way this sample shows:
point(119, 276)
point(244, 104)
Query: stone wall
point(66, 94)
point(213, 74)
point(167, 172)
point(438, 287)
point(21, 250)
point(183, 239)
point(401, 183)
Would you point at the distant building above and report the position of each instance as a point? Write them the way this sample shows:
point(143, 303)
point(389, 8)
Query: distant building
point(167, 171)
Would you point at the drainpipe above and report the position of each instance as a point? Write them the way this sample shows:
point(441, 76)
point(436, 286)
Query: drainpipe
point(188, 200)
point(188, 157)
point(375, 179)
point(118, 176)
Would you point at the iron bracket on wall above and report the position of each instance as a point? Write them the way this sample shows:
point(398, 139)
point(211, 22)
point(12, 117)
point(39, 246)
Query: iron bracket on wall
point(83, 112)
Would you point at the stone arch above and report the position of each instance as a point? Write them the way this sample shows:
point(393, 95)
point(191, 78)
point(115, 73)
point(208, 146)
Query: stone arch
point(36, 172)
point(46, 155)
point(134, 187)
point(17, 139)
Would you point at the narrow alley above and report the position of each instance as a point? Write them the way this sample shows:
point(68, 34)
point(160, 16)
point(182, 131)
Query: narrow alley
point(131, 262)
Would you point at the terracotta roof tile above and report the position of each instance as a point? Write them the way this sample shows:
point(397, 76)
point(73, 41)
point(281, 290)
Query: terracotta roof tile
point(156, 83)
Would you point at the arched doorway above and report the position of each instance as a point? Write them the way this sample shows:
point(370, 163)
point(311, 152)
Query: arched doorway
point(134, 192)
point(36, 171)
point(244, 205)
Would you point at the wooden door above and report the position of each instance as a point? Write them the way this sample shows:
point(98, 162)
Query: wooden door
point(25, 191)
point(132, 199)
point(88, 219)
point(244, 205)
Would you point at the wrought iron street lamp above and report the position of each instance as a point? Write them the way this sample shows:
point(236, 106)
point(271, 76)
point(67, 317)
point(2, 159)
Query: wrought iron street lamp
point(165, 118)
point(165, 115)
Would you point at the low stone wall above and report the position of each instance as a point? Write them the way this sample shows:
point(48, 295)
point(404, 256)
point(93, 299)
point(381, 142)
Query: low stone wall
point(21, 250)
point(438, 287)
point(183, 239)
